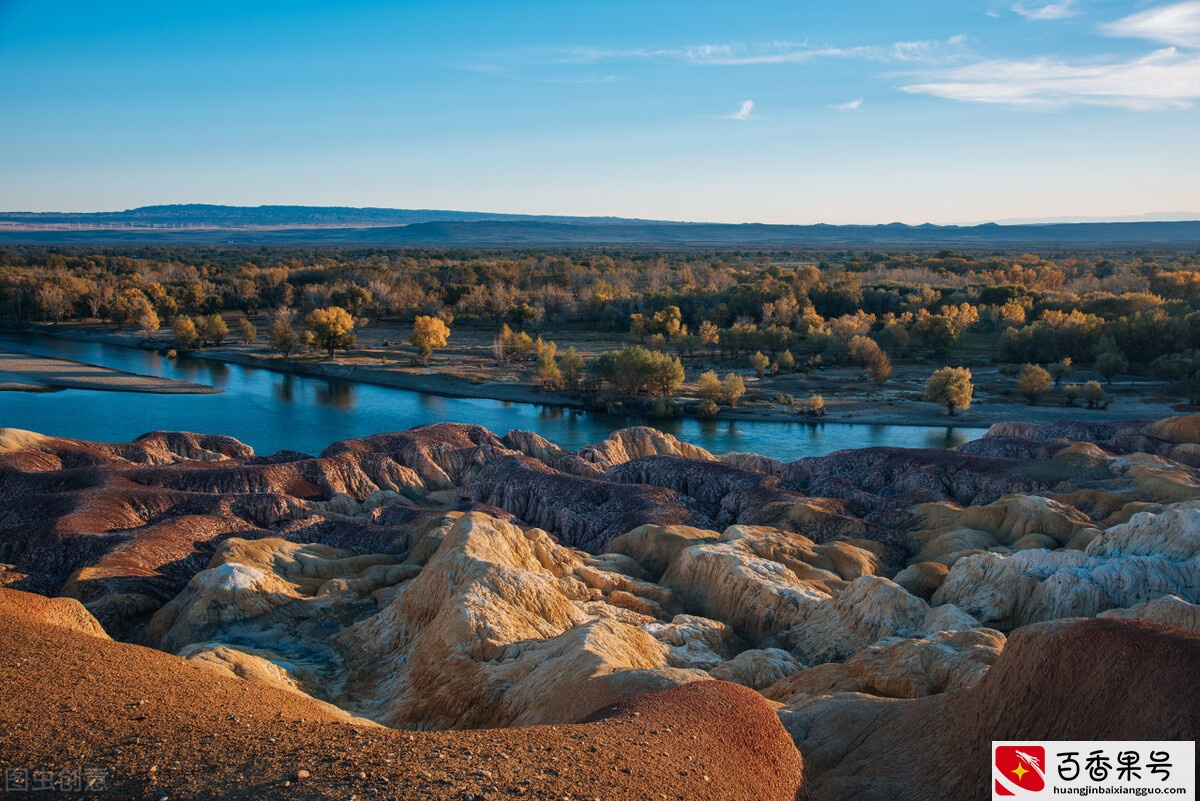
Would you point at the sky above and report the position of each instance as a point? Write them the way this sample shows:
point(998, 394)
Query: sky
point(781, 112)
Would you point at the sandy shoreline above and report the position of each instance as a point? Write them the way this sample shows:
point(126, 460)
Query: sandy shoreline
point(24, 373)
point(897, 411)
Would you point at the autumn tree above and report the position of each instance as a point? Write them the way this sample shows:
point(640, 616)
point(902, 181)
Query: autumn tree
point(148, 321)
point(787, 362)
point(950, 387)
point(940, 331)
point(734, 388)
point(709, 387)
point(184, 330)
point(1093, 393)
point(721, 392)
point(331, 327)
point(709, 335)
point(429, 333)
point(1033, 382)
point(759, 363)
point(246, 331)
point(880, 368)
point(519, 346)
point(212, 329)
point(281, 336)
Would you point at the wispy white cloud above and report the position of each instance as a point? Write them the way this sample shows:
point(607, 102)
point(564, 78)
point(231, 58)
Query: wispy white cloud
point(501, 71)
point(1059, 10)
point(928, 50)
point(1166, 78)
point(743, 113)
point(850, 105)
point(1177, 24)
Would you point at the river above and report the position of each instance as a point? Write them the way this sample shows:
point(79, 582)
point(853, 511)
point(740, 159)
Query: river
point(272, 411)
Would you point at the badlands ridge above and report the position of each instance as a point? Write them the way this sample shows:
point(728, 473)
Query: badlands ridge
point(445, 613)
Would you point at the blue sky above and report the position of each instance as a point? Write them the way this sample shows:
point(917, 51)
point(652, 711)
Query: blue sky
point(787, 112)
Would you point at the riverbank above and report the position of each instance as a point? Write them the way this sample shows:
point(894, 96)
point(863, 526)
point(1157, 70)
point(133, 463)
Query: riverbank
point(23, 373)
point(847, 400)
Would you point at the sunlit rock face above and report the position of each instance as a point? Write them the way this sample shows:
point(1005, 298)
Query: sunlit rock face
point(448, 578)
point(1151, 556)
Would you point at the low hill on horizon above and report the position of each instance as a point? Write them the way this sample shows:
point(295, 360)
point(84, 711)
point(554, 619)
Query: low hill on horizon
point(348, 227)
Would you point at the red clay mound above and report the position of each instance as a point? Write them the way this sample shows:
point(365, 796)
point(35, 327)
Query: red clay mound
point(153, 725)
point(1095, 679)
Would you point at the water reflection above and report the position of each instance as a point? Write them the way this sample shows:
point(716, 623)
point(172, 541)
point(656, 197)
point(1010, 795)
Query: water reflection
point(946, 438)
point(218, 374)
point(285, 388)
point(335, 394)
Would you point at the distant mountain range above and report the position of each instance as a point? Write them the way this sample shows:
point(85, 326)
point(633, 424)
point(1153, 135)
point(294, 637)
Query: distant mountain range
point(347, 227)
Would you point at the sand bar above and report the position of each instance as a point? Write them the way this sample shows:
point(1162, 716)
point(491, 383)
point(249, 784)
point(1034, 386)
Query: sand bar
point(22, 372)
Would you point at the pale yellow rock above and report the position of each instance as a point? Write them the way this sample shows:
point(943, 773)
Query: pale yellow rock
point(758, 597)
point(639, 441)
point(1169, 610)
point(496, 631)
point(1011, 521)
point(694, 642)
point(15, 439)
point(757, 668)
point(923, 578)
point(1150, 556)
point(900, 668)
point(654, 547)
point(868, 610)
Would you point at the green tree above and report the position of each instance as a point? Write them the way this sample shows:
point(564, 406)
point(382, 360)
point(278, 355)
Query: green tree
point(429, 333)
point(1093, 393)
point(636, 371)
point(571, 365)
point(1110, 364)
point(1033, 382)
point(1061, 369)
point(787, 362)
point(950, 387)
point(548, 374)
point(331, 327)
point(734, 388)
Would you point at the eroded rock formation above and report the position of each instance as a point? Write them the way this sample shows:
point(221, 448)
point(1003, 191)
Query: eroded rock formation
point(447, 578)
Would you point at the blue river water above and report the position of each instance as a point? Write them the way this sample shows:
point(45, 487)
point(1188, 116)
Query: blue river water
point(272, 411)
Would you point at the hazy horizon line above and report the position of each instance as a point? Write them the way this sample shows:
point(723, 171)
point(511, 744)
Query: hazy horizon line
point(1157, 216)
